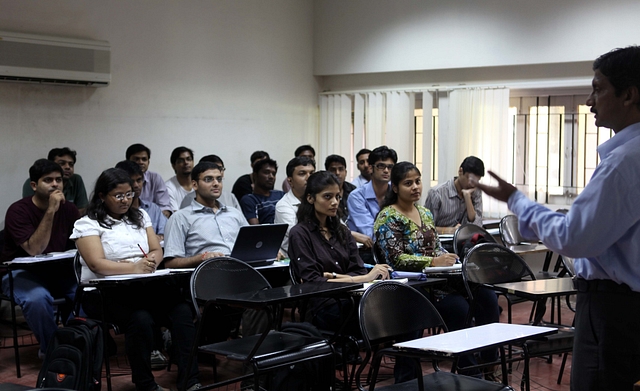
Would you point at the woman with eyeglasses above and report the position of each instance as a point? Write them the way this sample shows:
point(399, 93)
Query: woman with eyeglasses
point(116, 238)
point(407, 239)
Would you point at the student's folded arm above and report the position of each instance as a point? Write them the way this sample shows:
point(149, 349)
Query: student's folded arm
point(91, 250)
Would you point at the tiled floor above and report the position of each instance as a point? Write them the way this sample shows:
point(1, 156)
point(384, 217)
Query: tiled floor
point(543, 375)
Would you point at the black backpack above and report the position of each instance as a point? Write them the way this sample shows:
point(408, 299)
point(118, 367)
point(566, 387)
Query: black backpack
point(470, 243)
point(74, 357)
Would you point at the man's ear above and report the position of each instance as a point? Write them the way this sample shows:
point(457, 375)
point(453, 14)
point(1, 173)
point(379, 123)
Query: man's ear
point(289, 180)
point(632, 96)
point(460, 172)
point(33, 185)
point(194, 184)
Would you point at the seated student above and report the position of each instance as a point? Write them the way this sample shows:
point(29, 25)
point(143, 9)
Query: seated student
point(205, 229)
point(40, 224)
point(301, 151)
point(406, 235)
point(158, 220)
point(153, 188)
point(456, 201)
point(208, 229)
point(244, 184)
point(73, 185)
point(226, 197)
point(321, 248)
point(363, 166)
point(364, 202)
point(116, 238)
point(179, 185)
point(336, 165)
point(260, 206)
point(298, 171)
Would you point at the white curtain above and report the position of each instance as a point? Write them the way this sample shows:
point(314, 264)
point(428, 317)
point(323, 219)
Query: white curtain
point(400, 124)
point(478, 125)
point(335, 126)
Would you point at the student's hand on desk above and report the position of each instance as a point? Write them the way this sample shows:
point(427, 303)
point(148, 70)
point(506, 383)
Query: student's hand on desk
point(502, 192)
point(210, 254)
point(280, 256)
point(445, 260)
point(145, 265)
point(380, 272)
point(55, 199)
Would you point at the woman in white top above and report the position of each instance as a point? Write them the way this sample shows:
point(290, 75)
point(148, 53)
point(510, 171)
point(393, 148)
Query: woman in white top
point(116, 238)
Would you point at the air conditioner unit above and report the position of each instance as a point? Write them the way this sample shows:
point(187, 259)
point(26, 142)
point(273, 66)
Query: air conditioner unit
point(54, 60)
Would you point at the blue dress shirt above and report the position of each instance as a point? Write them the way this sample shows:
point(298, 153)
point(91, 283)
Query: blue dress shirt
point(602, 228)
point(363, 209)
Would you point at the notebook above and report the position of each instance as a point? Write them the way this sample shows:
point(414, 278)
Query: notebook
point(258, 245)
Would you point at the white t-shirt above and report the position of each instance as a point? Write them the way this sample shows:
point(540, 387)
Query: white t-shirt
point(118, 242)
point(176, 193)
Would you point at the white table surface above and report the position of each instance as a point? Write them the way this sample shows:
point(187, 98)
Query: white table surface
point(458, 342)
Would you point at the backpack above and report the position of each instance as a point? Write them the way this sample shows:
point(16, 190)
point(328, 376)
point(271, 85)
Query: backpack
point(305, 376)
point(74, 357)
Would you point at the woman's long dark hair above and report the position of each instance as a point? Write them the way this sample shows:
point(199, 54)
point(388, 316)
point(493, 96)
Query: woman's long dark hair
point(398, 173)
point(107, 181)
point(316, 184)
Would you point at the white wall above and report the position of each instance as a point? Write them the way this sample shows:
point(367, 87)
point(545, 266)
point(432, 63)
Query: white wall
point(365, 36)
point(224, 77)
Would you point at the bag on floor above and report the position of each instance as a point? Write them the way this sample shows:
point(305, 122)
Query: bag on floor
point(74, 357)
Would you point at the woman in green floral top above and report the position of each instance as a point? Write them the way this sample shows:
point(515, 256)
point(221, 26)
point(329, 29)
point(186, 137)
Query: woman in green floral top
point(407, 238)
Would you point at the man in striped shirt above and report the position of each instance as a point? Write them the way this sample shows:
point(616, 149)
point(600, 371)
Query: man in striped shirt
point(456, 201)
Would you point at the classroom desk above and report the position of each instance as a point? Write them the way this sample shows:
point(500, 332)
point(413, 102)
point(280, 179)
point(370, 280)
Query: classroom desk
point(428, 283)
point(533, 248)
point(289, 293)
point(474, 339)
point(538, 290)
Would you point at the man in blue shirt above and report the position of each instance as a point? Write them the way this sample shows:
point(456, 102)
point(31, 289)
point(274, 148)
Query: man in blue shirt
point(364, 202)
point(260, 206)
point(602, 231)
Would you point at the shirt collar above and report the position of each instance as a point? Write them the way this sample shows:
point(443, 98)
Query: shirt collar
point(625, 135)
point(197, 207)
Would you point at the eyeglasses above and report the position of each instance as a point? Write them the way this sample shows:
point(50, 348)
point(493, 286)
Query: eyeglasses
point(128, 195)
point(209, 179)
point(382, 166)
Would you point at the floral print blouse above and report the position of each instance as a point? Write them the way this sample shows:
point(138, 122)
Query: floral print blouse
point(405, 245)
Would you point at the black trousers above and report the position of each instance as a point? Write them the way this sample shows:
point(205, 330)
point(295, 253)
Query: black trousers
point(138, 309)
point(606, 348)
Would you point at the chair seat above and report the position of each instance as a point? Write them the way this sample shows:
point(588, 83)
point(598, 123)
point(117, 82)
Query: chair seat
point(448, 381)
point(277, 348)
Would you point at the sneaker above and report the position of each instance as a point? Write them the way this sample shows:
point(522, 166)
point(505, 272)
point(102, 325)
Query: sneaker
point(158, 361)
point(195, 387)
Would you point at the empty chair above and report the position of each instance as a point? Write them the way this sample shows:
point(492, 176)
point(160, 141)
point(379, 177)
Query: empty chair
point(391, 311)
point(263, 352)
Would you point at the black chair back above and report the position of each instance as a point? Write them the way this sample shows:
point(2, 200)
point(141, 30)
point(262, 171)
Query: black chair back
point(223, 276)
point(389, 309)
point(464, 233)
point(491, 263)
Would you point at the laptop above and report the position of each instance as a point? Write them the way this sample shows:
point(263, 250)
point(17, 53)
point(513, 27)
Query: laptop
point(258, 245)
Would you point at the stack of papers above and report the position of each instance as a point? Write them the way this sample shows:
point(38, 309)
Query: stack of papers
point(45, 257)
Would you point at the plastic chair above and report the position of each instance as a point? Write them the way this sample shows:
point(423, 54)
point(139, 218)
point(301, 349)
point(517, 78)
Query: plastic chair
point(466, 232)
point(389, 310)
point(263, 353)
point(489, 263)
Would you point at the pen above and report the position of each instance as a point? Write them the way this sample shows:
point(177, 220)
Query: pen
point(143, 253)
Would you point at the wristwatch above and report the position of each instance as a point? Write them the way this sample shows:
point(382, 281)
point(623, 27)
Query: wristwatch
point(334, 275)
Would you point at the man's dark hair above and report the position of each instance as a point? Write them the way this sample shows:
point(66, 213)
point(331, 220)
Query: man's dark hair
point(303, 148)
point(175, 154)
point(621, 66)
point(264, 162)
point(362, 152)
point(299, 161)
point(132, 168)
point(135, 148)
point(42, 167)
point(473, 165)
point(55, 152)
point(382, 153)
point(257, 155)
point(213, 159)
point(202, 167)
point(334, 159)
